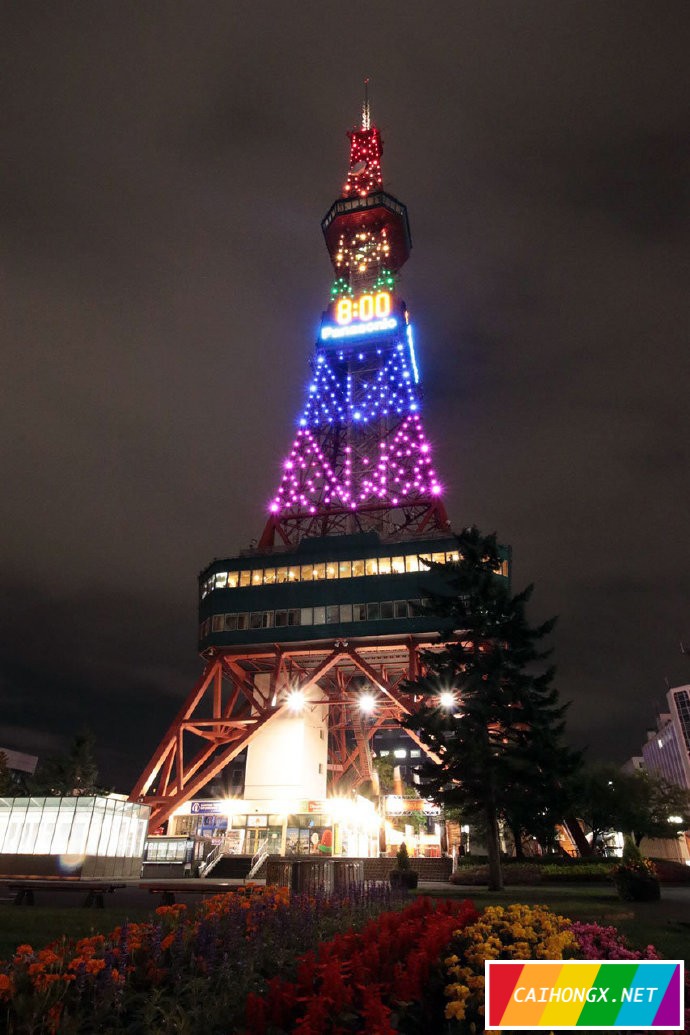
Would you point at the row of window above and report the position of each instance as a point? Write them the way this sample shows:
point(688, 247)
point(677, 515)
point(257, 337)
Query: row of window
point(399, 565)
point(327, 615)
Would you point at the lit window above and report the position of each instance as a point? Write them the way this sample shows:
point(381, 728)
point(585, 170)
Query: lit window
point(307, 572)
point(346, 612)
point(307, 616)
point(397, 565)
point(331, 571)
point(400, 753)
point(319, 616)
point(384, 565)
point(371, 566)
point(245, 578)
point(257, 576)
point(415, 753)
point(438, 558)
point(384, 754)
point(293, 574)
point(319, 572)
point(269, 576)
point(453, 557)
point(424, 557)
point(345, 569)
point(221, 579)
point(267, 620)
point(412, 562)
point(281, 575)
point(233, 578)
point(357, 569)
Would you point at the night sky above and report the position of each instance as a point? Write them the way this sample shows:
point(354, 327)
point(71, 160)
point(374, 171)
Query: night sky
point(165, 169)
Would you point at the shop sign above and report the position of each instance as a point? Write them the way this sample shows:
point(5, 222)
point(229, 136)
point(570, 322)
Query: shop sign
point(208, 808)
point(257, 821)
point(395, 805)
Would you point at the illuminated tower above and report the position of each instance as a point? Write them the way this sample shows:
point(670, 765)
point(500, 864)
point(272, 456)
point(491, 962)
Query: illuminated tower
point(360, 460)
point(308, 637)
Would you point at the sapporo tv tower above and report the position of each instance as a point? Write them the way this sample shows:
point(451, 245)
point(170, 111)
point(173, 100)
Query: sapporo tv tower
point(308, 637)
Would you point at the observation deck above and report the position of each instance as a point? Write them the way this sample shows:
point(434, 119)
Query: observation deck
point(373, 213)
point(349, 586)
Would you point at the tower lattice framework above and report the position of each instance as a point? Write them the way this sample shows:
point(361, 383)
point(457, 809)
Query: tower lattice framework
point(358, 487)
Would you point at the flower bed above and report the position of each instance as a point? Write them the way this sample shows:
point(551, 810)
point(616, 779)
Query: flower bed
point(178, 972)
point(373, 980)
point(520, 932)
point(265, 962)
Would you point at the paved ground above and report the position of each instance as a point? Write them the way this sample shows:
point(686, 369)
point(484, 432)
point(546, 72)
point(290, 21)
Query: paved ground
point(674, 905)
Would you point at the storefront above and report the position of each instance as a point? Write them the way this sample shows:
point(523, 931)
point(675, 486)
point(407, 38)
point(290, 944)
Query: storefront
point(332, 826)
point(415, 821)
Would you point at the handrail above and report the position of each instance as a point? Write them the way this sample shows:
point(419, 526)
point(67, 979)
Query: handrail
point(211, 859)
point(258, 860)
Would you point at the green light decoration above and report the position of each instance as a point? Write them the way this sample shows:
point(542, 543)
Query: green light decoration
point(385, 280)
point(340, 287)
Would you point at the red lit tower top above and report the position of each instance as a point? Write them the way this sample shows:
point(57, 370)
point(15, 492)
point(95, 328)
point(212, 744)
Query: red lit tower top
point(360, 460)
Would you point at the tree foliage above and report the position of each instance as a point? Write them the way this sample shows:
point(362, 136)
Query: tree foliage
point(640, 804)
point(499, 748)
point(75, 773)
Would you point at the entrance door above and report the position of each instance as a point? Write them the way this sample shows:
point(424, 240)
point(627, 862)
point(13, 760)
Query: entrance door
point(255, 839)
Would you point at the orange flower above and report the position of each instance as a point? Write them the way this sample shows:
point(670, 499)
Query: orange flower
point(94, 966)
point(48, 958)
point(24, 950)
point(44, 981)
point(5, 986)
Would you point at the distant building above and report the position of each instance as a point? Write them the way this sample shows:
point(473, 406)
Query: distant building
point(635, 764)
point(667, 750)
point(21, 766)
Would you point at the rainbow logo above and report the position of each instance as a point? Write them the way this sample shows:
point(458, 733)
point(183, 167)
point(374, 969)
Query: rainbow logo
point(632, 994)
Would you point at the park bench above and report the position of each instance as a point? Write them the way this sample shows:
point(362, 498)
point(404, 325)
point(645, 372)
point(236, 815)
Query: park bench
point(24, 890)
point(169, 892)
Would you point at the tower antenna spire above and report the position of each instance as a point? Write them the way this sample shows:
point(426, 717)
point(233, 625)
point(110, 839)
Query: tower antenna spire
point(366, 114)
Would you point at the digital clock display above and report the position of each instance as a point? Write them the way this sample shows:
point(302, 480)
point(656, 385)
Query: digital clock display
point(363, 309)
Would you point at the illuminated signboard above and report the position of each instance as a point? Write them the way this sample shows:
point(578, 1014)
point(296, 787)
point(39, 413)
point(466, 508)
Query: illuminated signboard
point(363, 315)
point(363, 309)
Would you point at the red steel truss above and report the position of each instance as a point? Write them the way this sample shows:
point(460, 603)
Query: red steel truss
point(410, 521)
point(243, 689)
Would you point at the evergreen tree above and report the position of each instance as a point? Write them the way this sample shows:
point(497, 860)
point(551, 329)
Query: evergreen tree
point(75, 773)
point(499, 744)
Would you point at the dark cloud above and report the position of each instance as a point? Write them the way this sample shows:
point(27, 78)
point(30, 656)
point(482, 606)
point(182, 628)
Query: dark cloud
point(164, 173)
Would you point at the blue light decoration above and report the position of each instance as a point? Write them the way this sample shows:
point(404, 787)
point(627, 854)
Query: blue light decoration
point(333, 332)
point(349, 391)
point(413, 357)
